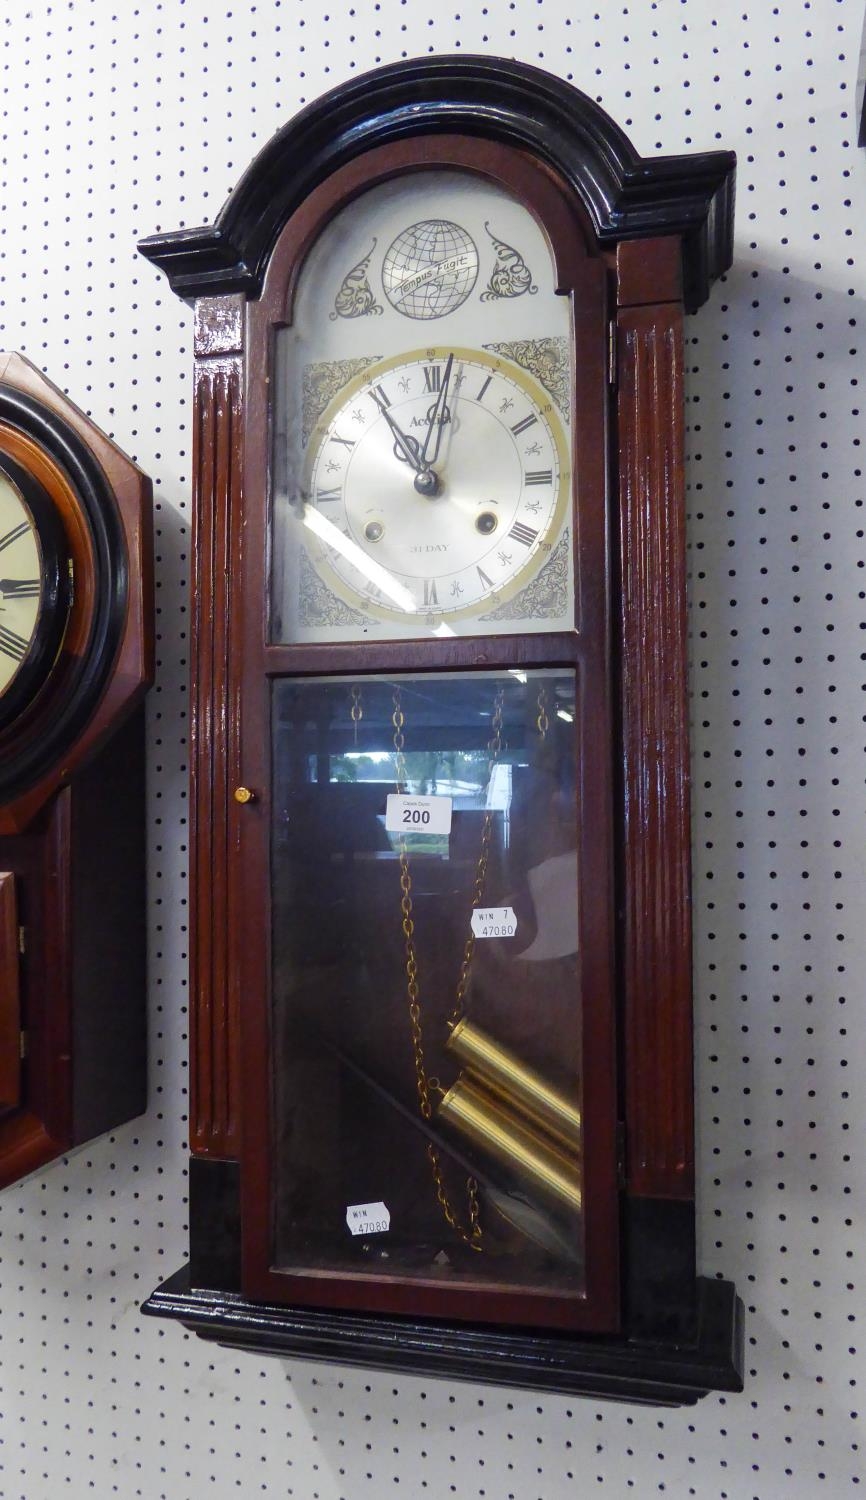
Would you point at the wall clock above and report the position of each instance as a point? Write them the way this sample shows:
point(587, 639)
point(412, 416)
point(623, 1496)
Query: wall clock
point(442, 1031)
point(76, 656)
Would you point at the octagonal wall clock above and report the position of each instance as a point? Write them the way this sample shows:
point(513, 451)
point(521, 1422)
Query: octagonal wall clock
point(441, 1029)
point(76, 657)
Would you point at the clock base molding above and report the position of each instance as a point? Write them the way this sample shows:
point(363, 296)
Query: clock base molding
point(650, 1372)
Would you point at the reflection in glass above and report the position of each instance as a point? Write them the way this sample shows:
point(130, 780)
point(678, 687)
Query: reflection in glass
point(426, 980)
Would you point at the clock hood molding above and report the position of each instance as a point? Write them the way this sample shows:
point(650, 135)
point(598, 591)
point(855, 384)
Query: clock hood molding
point(626, 196)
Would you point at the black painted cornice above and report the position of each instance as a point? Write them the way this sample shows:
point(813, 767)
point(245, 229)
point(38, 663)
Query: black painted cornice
point(627, 196)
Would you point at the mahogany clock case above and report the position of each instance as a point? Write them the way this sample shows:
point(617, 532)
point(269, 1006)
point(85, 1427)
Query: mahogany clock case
point(72, 787)
point(633, 242)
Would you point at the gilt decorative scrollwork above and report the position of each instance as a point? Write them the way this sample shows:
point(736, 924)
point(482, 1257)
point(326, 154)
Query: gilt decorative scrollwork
point(322, 381)
point(546, 597)
point(511, 276)
point(356, 298)
point(317, 605)
point(547, 360)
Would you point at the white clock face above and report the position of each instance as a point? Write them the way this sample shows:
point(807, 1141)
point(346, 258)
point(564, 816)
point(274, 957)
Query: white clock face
point(436, 482)
point(20, 583)
point(422, 469)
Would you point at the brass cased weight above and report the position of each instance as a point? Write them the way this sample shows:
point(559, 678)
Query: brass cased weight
point(503, 1074)
point(481, 1117)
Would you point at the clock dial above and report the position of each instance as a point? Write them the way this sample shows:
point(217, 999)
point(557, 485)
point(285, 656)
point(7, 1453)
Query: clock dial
point(21, 584)
point(437, 481)
point(424, 489)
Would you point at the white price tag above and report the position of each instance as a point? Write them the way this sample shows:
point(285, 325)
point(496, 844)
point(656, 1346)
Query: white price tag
point(405, 814)
point(494, 921)
point(368, 1218)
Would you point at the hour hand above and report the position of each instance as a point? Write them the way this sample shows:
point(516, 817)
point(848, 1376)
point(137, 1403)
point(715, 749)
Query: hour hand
point(408, 446)
point(426, 482)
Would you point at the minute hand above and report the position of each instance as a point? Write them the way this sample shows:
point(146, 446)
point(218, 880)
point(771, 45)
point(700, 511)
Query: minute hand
point(435, 424)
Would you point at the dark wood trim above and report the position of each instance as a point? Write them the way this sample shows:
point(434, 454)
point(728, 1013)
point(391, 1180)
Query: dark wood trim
point(26, 1146)
point(464, 1302)
point(10, 996)
point(660, 1293)
point(650, 1372)
point(108, 929)
point(41, 856)
point(41, 1128)
point(215, 1223)
point(466, 653)
point(648, 278)
point(595, 790)
point(217, 561)
point(490, 99)
point(656, 875)
point(219, 326)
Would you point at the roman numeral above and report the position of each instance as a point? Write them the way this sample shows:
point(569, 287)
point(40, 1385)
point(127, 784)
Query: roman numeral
point(346, 442)
point(432, 377)
point(382, 397)
point(12, 645)
point(25, 588)
point(13, 535)
point(522, 426)
point(488, 582)
point(480, 396)
point(524, 534)
point(327, 497)
point(539, 476)
point(430, 595)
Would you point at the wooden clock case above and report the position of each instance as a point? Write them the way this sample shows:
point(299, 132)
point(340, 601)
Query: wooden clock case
point(72, 801)
point(661, 230)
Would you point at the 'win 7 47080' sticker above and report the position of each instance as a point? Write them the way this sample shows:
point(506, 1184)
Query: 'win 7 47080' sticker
point(368, 1218)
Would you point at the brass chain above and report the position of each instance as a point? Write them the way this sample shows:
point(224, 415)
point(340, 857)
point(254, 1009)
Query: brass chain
point(357, 711)
point(542, 723)
point(471, 1236)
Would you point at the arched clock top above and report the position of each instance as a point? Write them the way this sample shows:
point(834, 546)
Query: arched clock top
point(626, 196)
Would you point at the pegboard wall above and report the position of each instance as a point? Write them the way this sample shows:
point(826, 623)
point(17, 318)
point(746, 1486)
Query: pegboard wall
point(118, 120)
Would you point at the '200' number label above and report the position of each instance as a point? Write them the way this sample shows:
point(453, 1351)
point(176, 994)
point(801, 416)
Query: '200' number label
point(405, 814)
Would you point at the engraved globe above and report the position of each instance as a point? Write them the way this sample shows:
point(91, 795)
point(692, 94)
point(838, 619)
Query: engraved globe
point(430, 269)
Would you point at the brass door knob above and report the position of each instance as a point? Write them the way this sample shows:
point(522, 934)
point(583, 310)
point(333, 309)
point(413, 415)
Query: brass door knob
point(243, 794)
